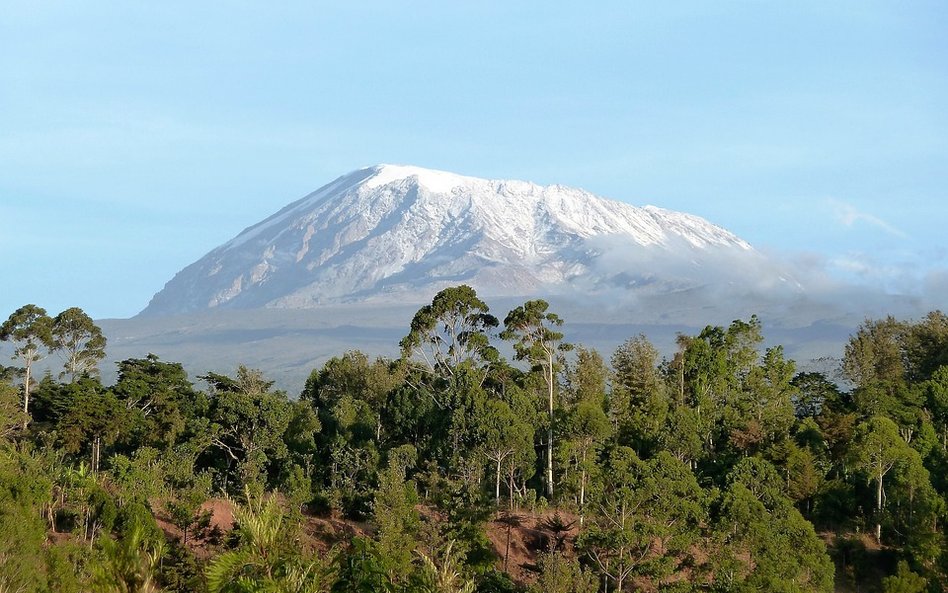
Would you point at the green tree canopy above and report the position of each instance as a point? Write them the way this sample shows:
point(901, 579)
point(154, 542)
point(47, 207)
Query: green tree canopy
point(80, 340)
point(530, 327)
point(455, 328)
point(30, 330)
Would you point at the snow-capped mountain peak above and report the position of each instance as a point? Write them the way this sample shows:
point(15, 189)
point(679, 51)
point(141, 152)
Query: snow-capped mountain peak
point(397, 232)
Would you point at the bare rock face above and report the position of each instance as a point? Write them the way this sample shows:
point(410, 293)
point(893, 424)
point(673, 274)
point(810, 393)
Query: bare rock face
point(397, 234)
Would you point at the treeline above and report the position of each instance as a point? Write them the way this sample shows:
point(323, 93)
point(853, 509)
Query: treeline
point(719, 469)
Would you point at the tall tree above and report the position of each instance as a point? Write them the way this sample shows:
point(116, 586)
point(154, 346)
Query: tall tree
point(452, 330)
point(535, 340)
point(765, 404)
point(639, 402)
point(586, 378)
point(877, 448)
point(80, 340)
point(635, 366)
point(814, 392)
point(31, 331)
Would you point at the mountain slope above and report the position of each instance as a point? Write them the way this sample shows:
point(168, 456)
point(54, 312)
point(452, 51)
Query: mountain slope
point(398, 233)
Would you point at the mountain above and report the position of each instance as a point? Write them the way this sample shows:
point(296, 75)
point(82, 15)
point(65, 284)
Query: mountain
point(347, 266)
point(397, 234)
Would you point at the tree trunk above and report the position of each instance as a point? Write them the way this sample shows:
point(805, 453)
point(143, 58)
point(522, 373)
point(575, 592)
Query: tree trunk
point(26, 397)
point(879, 509)
point(507, 547)
point(510, 487)
point(681, 382)
point(549, 436)
point(582, 491)
point(497, 485)
point(96, 452)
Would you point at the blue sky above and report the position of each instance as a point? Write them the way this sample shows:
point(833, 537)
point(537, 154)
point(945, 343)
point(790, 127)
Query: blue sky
point(135, 137)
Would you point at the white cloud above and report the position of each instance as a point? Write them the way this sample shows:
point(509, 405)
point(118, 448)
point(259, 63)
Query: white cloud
point(848, 215)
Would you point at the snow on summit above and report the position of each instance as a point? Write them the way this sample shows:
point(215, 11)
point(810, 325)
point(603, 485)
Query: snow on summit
point(435, 181)
point(399, 232)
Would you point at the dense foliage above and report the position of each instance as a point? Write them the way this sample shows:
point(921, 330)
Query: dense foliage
point(719, 469)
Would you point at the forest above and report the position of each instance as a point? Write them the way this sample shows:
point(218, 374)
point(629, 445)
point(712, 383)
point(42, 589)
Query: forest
point(454, 468)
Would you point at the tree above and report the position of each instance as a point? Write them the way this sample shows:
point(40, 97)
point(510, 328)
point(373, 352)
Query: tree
point(80, 340)
point(360, 569)
point(248, 424)
point(714, 368)
point(452, 330)
point(350, 395)
point(11, 416)
point(160, 399)
point(185, 505)
point(22, 536)
point(503, 434)
point(650, 516)
point(874, 362)
point(638, 404)
point(926, 346)
point(635, 365)
point(586, 378)
point(94, 418)
point(804, 477)
point(300, 438)
point(682, 434)
point(535, 340)
point(586, 429)
point(814, 391)
point(393, 509)
point(353, 375)
point(904, 581)
point(31, 331)
point(559, 574)
point(936, 394)
point(877, 448)
point(762, 543)
point(766, 399)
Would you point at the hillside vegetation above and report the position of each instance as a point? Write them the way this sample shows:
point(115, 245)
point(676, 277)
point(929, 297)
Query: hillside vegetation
point(451, 469)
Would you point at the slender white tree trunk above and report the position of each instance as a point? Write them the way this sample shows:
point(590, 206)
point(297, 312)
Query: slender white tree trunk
point(879, 509)
point(549, 435)
point(497, 485)
point(582, 491)
point(26, 397)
